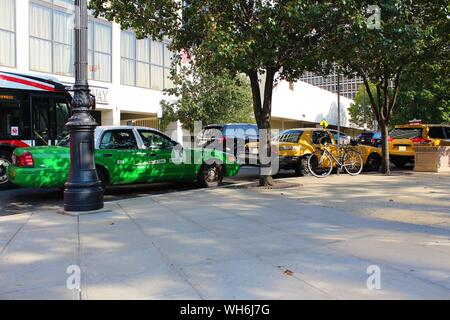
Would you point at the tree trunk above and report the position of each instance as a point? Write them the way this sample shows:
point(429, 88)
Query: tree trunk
point(385, 165)
point(265, 152)
point(263, 109)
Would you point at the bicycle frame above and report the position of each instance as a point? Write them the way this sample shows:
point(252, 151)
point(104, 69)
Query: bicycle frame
point(343, 149)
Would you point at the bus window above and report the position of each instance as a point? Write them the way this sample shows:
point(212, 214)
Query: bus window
point(62, 114)
point(41, 110)
point(10, 120)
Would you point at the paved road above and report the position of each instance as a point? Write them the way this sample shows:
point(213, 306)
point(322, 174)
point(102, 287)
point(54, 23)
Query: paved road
point(364, 237)
point(23, 200)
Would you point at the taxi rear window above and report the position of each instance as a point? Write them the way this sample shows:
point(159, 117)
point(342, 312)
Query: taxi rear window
point(290, 136)
point(406, 133)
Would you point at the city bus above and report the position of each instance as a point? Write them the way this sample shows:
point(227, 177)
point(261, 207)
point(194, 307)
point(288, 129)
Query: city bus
point(33, 112)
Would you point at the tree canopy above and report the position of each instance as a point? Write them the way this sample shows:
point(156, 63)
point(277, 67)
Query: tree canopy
point(207, 98)
point(280, 39)
point(407, 33)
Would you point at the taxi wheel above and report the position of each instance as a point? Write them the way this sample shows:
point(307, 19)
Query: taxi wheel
point(373, 162)
point(5, 161)
point(211, 175)
point(103, 177)
point(301, 169)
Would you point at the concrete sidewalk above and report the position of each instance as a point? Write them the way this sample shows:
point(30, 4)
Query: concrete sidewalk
point(315, 241)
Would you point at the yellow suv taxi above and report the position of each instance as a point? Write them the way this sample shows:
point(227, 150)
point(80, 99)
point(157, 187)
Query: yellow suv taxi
point(403, 138)
point(294, 146)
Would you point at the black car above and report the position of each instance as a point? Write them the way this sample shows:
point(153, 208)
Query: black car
point(231, 137)
point(365, 138)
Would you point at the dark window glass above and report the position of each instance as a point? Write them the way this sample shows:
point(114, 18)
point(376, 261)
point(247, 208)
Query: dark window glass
point(447, 132)
point(241, 131)
point(290, 136)
point(118, 139)
point(436, 132)
point(319, 137)
point(62, 115)
point(11, 124)
point(41, 117)
point(211, 132)
point(154, 140)
point(406, 133)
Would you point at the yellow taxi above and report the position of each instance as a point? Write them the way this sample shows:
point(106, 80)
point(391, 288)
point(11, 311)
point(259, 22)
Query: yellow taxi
point(403, 138)
point(294, 146)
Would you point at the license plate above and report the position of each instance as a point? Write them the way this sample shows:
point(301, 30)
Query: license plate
point(402, 148)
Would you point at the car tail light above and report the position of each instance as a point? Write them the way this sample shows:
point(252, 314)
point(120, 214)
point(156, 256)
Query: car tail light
point(25, 160)
point(390, 139)
point(420, 140)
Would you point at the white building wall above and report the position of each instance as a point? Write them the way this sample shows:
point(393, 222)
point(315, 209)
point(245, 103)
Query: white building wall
point(308, 103)
point(112, 98)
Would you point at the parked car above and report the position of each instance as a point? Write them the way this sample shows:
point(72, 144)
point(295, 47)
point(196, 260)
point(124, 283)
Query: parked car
point(231, 137)
point(294, 146)
point(365, 138)
point(124, 155)
point(403, 138)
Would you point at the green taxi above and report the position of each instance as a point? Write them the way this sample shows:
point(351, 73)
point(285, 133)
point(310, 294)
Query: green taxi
point(124, 155)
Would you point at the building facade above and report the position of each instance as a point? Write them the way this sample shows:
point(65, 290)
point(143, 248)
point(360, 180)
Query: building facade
point(299, 105)
point(126, 75)
point(348, 86)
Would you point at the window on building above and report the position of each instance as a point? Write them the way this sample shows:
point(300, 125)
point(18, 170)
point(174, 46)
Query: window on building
point(7, 33)
point(51, 37)
point(144, 63)
point(100, 47)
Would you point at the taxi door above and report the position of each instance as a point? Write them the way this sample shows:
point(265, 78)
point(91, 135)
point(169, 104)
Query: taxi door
point(120, 154)
point(166, 161)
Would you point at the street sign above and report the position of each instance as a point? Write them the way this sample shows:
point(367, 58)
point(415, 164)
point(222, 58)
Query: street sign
point(324, 123)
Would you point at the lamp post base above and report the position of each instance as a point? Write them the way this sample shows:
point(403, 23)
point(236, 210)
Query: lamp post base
point(83, 198)
point(83, 213)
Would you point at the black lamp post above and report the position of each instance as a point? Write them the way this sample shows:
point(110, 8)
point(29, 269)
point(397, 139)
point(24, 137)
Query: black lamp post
point(83, 189)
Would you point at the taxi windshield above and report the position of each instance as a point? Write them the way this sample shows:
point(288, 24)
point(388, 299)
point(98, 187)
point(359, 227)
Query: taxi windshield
point(406, 133)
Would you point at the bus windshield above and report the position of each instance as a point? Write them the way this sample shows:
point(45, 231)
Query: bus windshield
point(11, 123)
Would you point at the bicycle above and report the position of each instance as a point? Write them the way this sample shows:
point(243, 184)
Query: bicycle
point(320, 162)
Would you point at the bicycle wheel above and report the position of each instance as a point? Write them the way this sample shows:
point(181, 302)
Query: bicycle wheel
point(352, 162)
point(320, 164)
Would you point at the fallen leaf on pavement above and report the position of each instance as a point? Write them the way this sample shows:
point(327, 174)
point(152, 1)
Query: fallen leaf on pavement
point(288, 272)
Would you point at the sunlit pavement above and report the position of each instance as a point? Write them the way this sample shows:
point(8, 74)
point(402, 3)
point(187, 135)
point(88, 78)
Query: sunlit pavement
point(314, 241)
point(23, 200)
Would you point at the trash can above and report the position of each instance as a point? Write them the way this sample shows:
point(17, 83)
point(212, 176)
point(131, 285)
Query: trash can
point(432, 159)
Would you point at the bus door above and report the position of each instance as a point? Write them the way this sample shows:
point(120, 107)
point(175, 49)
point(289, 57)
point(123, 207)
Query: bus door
point(49, 114)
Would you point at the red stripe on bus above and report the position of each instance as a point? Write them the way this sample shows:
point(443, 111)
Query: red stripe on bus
point(15, 143)
point(27, 82)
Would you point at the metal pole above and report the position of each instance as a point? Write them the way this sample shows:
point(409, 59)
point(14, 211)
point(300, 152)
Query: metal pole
point(338, 119)
point(83, 189)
